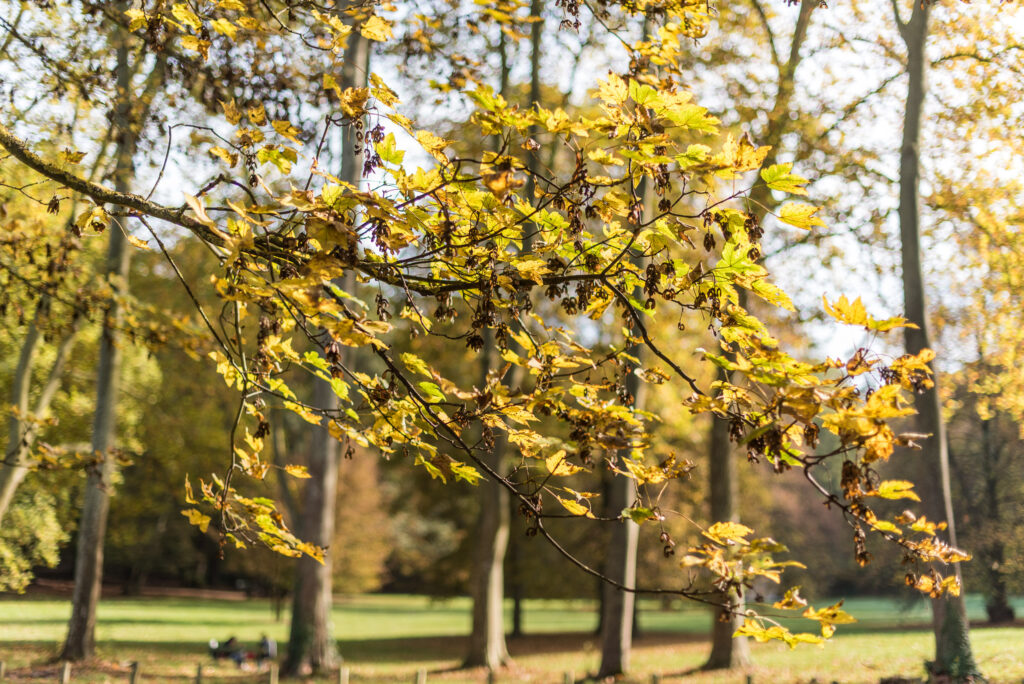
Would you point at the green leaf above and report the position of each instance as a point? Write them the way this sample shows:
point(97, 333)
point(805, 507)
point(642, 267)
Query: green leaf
point(282, 157)
point(387, 151)
point(779, 177)
point(641, 93)
point(433, 392)
point(639, 514)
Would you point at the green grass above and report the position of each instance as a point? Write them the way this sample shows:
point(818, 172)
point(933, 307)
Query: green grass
point(388, 638)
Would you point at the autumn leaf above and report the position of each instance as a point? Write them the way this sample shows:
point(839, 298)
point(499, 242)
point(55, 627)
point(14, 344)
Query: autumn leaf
point(557, 465)
point(728, 533)
point(183, 13)
point(298, 471)
point(613, 90)
point(136, 242)
point(896, 489)
point(94, 219)
point(780, 177)
point(800, 215)
point(197, 518)
point(71, 157)
point(376, 28)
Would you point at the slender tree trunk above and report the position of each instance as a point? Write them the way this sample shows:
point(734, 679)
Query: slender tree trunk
point(487, 646)
point(311, 643)
point(80, 642)
point(620, 561)
point(997, 602)
point(726, 652)
point(487, 639)
point(954, 660)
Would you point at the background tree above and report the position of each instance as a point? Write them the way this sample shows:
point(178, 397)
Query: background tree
point(953, 656)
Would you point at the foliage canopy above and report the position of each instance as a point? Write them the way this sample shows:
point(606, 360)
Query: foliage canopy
point(654, 222)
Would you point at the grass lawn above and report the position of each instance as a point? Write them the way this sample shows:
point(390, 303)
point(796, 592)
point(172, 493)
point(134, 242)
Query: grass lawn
point(389, 638)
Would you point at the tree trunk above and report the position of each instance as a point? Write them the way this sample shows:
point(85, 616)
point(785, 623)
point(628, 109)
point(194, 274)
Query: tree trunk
point(993, 558)
point(92, 527)
point(487, 647)
point(487, 639)
point(620, 561)
point(310, 643)
point(726, 652)
point(953, 658)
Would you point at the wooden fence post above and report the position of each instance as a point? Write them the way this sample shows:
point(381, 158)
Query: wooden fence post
point(199, 673)
point(273, 673)
point(3, 669)
point(65, 673)
point(133, 673)
point(343, 675)
point(421, 677)
point(568, 678)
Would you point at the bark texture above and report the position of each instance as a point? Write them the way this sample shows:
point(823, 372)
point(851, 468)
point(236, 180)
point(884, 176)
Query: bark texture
point(954, 660)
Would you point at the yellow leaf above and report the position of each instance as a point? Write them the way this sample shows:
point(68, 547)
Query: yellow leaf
point(780, 177)
point(224, 27)
point(236, 5)
point(353, 101)
point(330, 83)
point(303, 412)
point(136, 19)
point(136, 242)
point(95, 218)
point(800, 215)
point(896, 489)
point(71, 157)
point(557, 465)
point(575, 507)
point(613, 91)
point(415, 363)
point(728, 532)
point(194, 44)
point(229, 158)
point(298, 471)
point(193, 202)
point(376, 29)
point(196, 518)
point(285, 129)
point(501, 183)
point(231, 112)
point(185, 15)
point(791, 601)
